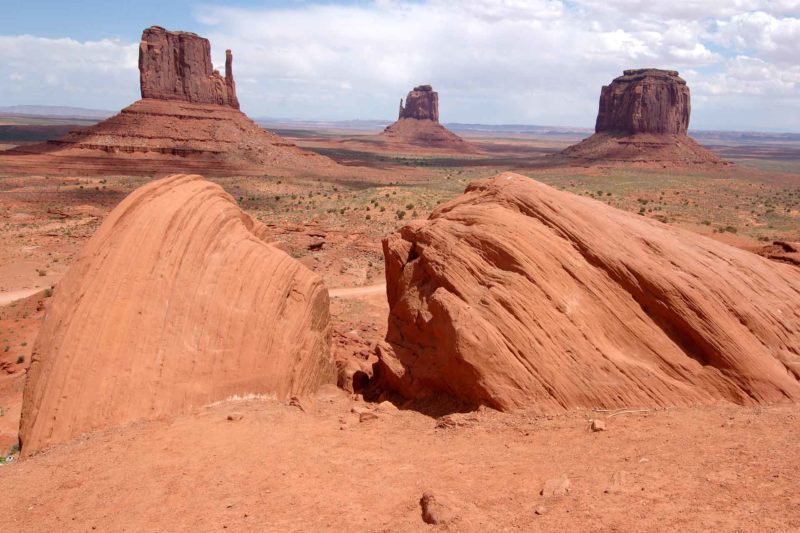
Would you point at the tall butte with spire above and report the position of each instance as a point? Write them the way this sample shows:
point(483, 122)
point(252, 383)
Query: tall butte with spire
point(643, 117)
point(418, 124)
point(176, 65)
point(188, 120)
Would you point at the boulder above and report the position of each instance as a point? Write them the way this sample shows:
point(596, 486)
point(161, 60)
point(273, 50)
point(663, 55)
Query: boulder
point(516, 295)
point(177, 301)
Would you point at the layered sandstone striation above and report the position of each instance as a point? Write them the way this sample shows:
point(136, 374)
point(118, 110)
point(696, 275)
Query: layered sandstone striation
point(177, 301)
point(162, 136)
point(643, 117)
point(188, 120)
point(177, 66)
point(418, 126)
point(518, 295)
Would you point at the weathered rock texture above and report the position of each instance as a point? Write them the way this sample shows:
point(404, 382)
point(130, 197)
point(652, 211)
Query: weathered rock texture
point(784, 251)
point(519, 295)
point(643, 118)
point(187, 121)
point(163, 136)
point(177, 66)
point(175, 302)
point(418, 125)
point(645, 101)
point(422, 104)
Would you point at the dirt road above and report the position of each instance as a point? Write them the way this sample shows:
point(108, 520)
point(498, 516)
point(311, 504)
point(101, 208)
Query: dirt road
point(355, 292)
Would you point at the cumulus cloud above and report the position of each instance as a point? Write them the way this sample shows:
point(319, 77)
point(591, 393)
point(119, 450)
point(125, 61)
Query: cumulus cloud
point(493, 61)
point(64, 71)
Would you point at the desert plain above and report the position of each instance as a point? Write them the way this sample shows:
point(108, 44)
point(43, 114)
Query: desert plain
point(353, 453)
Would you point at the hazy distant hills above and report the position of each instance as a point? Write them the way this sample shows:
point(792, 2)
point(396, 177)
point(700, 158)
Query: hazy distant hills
point(80, 114)
point(55, 111)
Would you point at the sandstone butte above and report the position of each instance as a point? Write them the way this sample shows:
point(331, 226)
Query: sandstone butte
point(177, 301)
point(177, 66)
point(517, 295)
point(643, 117)
point(188, 120)
point(418, 124)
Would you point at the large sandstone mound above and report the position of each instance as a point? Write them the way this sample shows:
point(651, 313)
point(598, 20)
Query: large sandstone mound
point(176, 301)
point(519, 295)
point(418, 125)
point(643, 117)
point(188, 120)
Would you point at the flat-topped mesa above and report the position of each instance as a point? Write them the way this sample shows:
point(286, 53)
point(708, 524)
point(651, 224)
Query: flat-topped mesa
point(422, 103)
point(177, 66)
point(645, 101)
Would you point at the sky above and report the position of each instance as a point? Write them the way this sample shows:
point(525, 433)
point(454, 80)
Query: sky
point(492, 61)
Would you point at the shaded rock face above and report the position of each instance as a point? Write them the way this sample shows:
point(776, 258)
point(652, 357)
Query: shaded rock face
point(422, 104)
point(645, 101)
point(177, 301)
point(177, 66)
point(519, 295)
point(418, 125)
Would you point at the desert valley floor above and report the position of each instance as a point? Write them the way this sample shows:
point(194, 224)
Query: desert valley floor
point(334, 461)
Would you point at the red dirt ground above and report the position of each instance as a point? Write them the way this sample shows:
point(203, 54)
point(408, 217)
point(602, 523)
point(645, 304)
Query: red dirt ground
point(319, 468)
point(721, 468)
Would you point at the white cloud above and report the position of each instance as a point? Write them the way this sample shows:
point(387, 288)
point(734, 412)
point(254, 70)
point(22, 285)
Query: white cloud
point(67, 72)
point(534, 61)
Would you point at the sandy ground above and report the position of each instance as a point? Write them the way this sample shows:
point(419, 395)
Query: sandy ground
point(280, 468)
point(355, 292)
point(336, 464)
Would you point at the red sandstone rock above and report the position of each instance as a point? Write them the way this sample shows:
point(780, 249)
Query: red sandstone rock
point(645, 101)
point(643, 118)
point(422, 104)
point(784, 251)
point(188, 121)
point(177, 66)
point(661, 150)
point(161, 136)
point(418, 125)
point(176, 302)
point(519, 295)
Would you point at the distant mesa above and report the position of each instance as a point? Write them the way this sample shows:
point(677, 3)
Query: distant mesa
point(418, 125)
point(643, 117)
point(177, 301)
point(517, 295)
point(188, 120)
point(645, 101)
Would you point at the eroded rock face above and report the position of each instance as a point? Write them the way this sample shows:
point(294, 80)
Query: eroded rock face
point(645, 101)
point(418, 125)
point(519, 295)
point(177, 301)
point(177, 66)
point(422, 103)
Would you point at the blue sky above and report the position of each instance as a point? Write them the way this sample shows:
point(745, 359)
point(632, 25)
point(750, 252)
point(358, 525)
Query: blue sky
point(492, 61)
